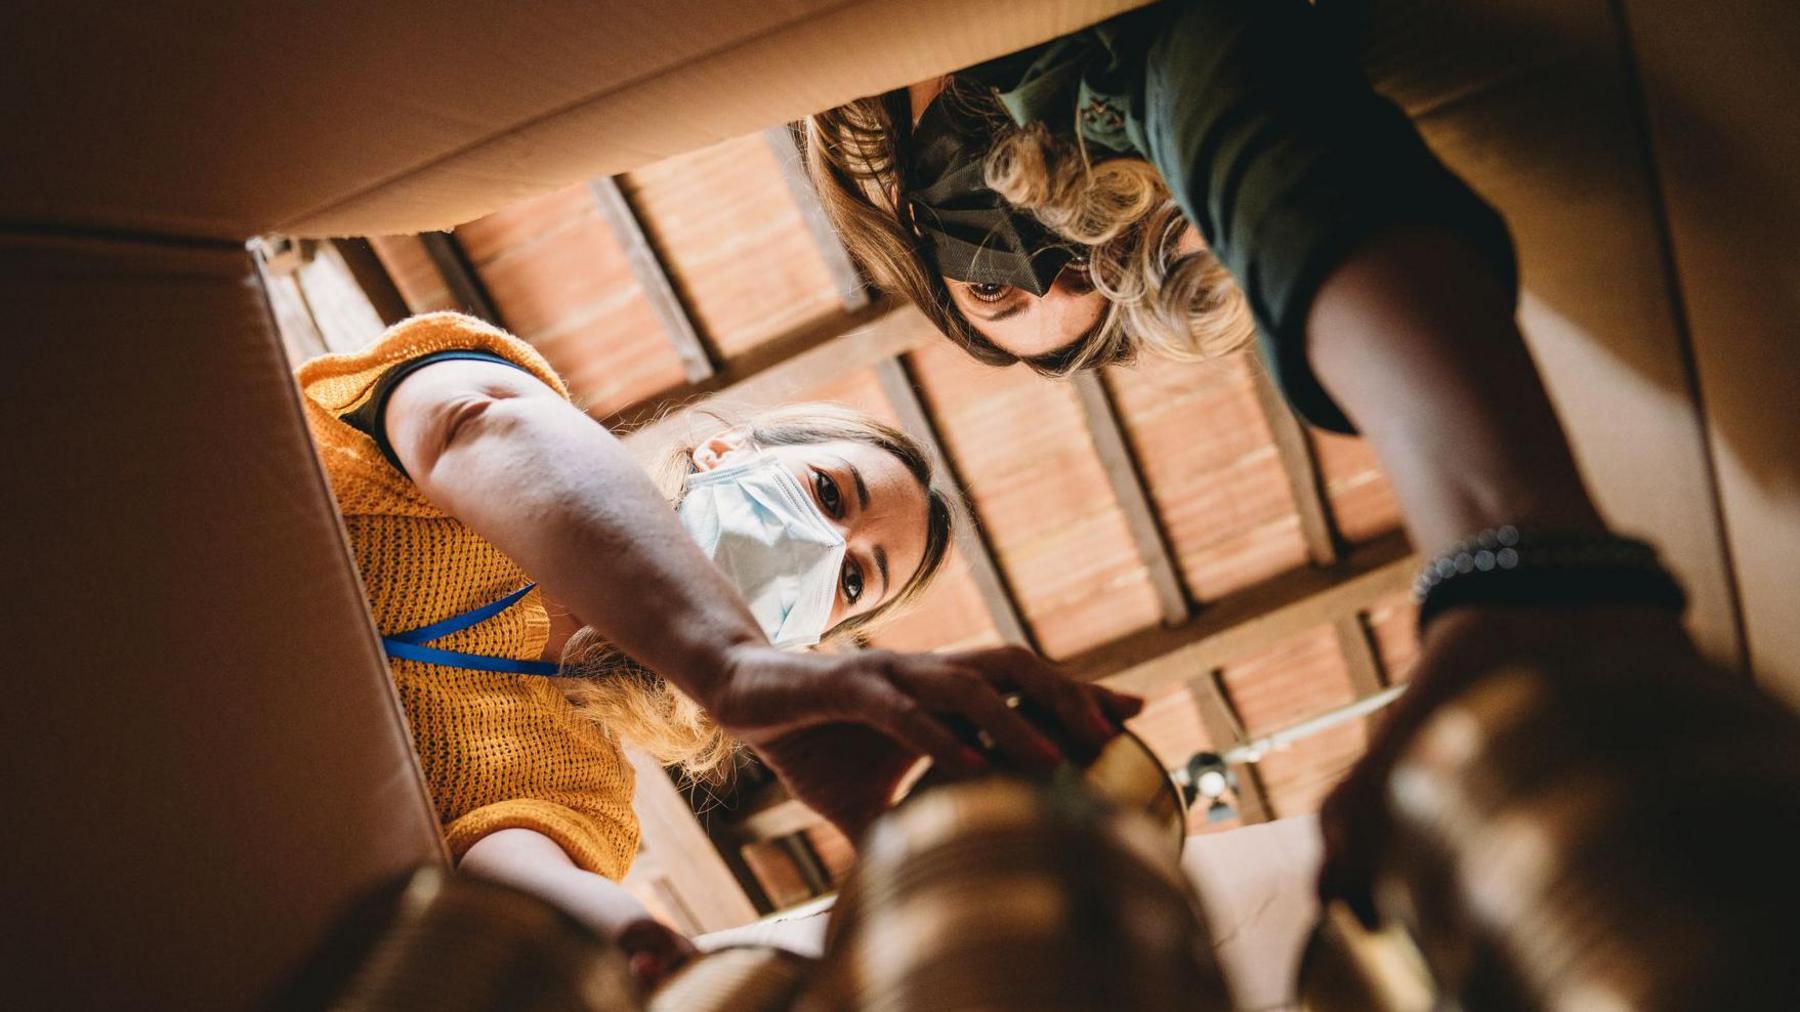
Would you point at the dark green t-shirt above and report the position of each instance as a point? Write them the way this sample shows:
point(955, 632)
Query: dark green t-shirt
point(1268, 136)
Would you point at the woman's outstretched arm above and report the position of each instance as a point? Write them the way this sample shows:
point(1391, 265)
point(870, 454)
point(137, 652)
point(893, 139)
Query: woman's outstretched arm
point(559, 494)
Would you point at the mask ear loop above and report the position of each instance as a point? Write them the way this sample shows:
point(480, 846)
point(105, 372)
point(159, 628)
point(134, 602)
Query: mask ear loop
point(694, 470)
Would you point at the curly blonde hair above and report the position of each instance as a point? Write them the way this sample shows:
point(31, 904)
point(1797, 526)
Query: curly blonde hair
point(1180, 305)
point(638, 706)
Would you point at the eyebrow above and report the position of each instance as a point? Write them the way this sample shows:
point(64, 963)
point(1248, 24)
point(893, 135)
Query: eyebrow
point(862, 489)
point(862, 496)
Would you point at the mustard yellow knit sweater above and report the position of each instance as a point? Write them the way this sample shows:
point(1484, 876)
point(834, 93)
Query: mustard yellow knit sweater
point(499, 751)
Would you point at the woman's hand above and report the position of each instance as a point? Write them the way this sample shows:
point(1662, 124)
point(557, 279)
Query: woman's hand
point(1632, 648)
point(841, 729)
point(653, 950)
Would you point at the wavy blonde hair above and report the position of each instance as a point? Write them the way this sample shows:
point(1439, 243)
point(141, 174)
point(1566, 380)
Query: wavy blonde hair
point(635, 704)
point(1180, 305)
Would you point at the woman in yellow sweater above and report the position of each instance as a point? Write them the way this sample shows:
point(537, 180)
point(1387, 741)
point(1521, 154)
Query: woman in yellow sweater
point(468, 481)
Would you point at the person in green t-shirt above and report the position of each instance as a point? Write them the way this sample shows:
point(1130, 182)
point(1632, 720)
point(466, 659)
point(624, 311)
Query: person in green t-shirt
point(1154, 182)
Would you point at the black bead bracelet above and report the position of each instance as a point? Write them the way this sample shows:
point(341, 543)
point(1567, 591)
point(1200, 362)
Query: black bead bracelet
point(1522, 566)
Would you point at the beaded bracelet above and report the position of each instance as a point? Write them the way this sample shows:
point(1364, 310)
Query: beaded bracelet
point(1513, 566)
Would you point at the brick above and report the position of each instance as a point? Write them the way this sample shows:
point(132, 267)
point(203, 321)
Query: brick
point(1361, 498)
point(737, 248)
point(413, 273)
point(1038, 487)
point(1212, 470)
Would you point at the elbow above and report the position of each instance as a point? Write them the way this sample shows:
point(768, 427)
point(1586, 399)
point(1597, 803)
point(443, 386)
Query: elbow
point(450, 430)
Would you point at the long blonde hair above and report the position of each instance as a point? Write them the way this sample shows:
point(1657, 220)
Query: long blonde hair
point(1181, 305)
point(635, 704)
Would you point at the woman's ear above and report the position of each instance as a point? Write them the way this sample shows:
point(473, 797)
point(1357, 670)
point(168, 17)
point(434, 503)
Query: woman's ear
point(721, 449)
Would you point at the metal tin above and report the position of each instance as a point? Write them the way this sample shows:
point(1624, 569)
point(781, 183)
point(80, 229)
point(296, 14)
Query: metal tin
point(1126, 774)
point(461, 944)
point(747, 978)
point(998, 894)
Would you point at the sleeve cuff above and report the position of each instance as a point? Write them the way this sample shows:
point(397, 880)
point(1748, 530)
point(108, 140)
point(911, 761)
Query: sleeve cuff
point(602, 846)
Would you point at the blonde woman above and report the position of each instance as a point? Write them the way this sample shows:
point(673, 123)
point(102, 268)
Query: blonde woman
point(543, 606)
point(1018, 246)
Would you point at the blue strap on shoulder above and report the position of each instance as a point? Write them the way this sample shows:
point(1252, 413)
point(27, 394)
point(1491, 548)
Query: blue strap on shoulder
point(410, 645)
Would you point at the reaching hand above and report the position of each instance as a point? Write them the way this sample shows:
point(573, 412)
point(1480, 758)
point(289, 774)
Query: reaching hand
point(1634, 648)
point(841, 729)
point(653, 950)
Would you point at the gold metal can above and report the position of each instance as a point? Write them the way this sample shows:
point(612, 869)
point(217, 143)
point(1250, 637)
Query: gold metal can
point(1124, 773)
point(748, 978)
point(1001, 895)
point(1579, 840)
point(459, 944)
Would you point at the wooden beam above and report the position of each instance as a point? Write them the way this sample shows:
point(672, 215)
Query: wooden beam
point(698, 358)
point(1295, 449)
point(1226, 728)
point(776, 816)
point(971, 539)
point(372, 277)
point(782, 370)
point(1252, 619)
point(1324, 545)
point(1367, 674)
point(1126, 477)
point(852, 288)
point(460, 277)
point(799, 849)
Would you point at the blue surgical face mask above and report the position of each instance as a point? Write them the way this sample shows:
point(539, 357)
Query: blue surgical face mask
point(757, 524)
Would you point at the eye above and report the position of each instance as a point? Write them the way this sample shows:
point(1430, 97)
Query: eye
point(852, 581)
point(826, 488)
point(989, 292)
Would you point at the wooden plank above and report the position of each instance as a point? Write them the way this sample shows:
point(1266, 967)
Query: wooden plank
point(1126, 477)
point(698, 358)
point(277, 262)
point(1295, 450)
point(780, 370)
point(340, 308)
point(971, 539)
point(1252, 619)
point(1225, 728)
point(372, 277)
point(460, 277)
point(775, 817)
point(799, 850)
point(697, 876)
point(1357, 643)
point(852, 288)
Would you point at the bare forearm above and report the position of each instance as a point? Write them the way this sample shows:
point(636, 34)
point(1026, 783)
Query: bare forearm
point(563, 497)
point(1414, 337)
point(533, 863)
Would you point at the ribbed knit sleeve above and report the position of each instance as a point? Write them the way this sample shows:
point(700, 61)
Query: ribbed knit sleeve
point(597, 841)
